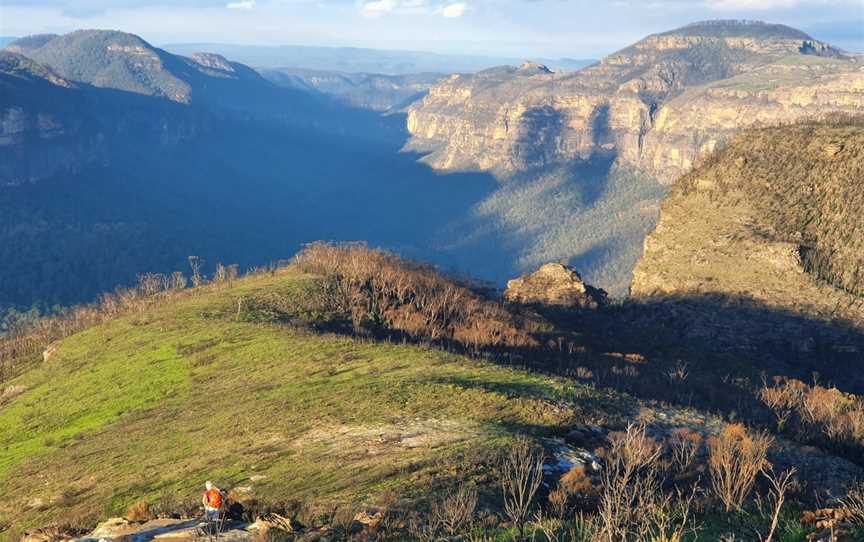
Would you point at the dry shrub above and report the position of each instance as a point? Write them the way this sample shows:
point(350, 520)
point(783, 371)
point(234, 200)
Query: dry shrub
point(140, 511)
point(576, 481)
point(783, 399)
point(167, 506)
point(521, 472)
point(381, 291)
point(854, 503)
point(196, 263)
point(632, 503)
point(781, 484)
point(684, 446)
point(736, 457)
point(576, 490)
point(558, 502)
point(455, 510)
point(817, 411)
point(629, 476)
point(225, 274)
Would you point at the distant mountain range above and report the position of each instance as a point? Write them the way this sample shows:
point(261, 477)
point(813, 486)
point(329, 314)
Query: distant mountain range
point(118, 157)
point(359, 60)
point(364, 90)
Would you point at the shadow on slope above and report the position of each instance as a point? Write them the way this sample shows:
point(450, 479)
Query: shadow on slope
point(714, 352)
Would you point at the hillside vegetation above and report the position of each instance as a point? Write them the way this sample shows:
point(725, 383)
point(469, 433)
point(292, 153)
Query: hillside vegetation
point(776, 201)
point(756, 264)
point(356, 380)
point(153, 402)
point(805, 184)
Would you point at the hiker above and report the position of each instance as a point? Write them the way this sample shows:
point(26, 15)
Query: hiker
point(212, 501)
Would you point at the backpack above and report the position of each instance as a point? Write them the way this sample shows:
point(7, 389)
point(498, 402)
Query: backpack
point(213, 498)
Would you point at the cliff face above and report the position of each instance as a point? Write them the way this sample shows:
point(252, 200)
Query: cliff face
point(656, 105)
point(793, 88)
point(45, 123)
point(50, 125)
point(773, 222)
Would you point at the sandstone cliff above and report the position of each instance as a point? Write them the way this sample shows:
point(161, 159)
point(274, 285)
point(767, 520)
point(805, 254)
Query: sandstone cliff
point(78, 99)
point(657, 105)
point(51, 125)
point(587, 157)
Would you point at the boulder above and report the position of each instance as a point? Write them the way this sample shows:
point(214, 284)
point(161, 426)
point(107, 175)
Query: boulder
point(554, 284)
point(110, 528)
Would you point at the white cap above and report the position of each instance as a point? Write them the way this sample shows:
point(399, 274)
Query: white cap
point(209, 485)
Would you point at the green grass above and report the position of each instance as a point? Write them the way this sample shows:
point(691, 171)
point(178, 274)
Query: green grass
point(159, 401)
point(743, 525)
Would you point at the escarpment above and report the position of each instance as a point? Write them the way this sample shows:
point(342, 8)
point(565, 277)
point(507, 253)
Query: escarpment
point(657, 105)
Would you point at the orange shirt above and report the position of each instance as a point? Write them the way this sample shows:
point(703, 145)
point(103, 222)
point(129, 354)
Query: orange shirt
point(213, 499)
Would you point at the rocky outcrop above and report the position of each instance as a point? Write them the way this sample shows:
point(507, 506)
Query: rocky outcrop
point(657, 105)
point(554, 284)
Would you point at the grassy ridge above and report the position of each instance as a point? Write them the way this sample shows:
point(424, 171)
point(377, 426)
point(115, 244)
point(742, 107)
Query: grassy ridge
point(158, 401)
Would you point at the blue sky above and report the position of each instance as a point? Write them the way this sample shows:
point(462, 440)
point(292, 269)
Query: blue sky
point(574, 28)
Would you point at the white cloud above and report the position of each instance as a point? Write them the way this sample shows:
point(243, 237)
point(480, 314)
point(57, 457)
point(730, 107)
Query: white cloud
point(245, 5)
point(373, 9)
point(754, 5)
point(377, 8)
point(454, 11)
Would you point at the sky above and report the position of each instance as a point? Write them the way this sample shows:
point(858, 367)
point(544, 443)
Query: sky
point(548, 28)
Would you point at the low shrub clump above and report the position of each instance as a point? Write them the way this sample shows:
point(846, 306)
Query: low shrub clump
point(383, 293)
point(736, 458)
point(816, 413)
point(140, 511)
